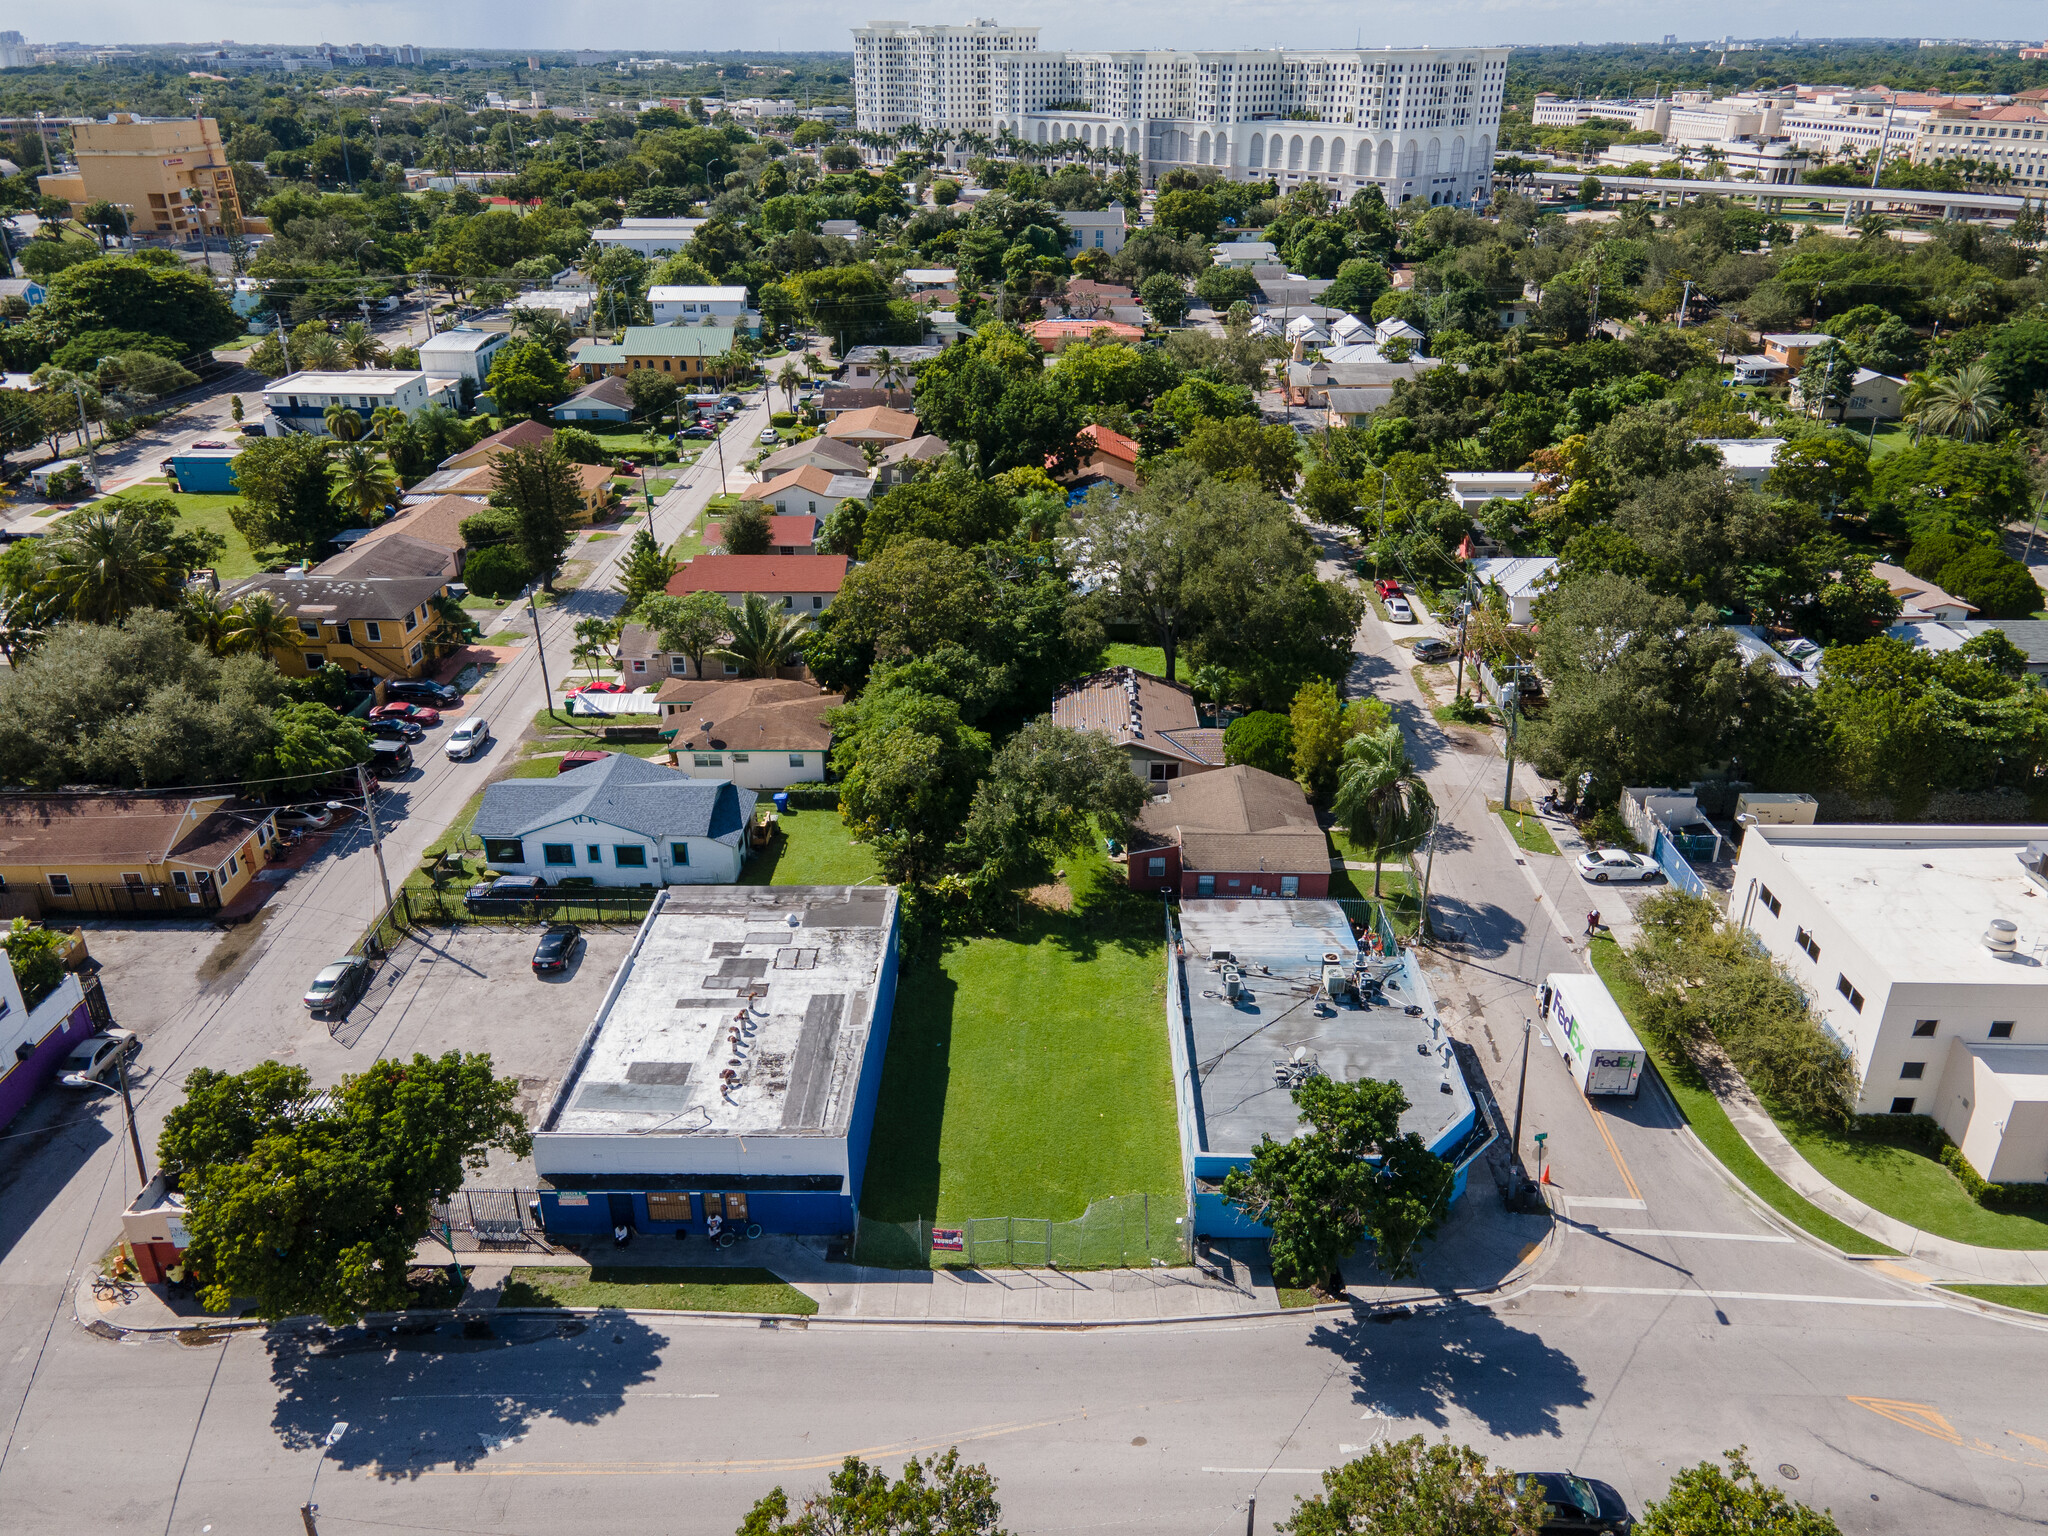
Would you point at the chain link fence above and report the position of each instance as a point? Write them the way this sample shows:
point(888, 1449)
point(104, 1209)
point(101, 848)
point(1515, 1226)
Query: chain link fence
point(1117, 1232)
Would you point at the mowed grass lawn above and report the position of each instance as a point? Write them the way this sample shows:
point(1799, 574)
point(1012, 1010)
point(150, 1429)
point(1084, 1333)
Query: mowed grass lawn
point(810, 848)
point(706, 1289)
point(1910, 1185)
point(1028, 1072)
point(210, 513)
point(1144, 658)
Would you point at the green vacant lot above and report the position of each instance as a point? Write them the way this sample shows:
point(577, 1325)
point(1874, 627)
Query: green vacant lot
point(655, 1287)
point(210, 513)
point(1710, 1122)
point(810, 848)
point(1907, 1183)
point(1028, 1074)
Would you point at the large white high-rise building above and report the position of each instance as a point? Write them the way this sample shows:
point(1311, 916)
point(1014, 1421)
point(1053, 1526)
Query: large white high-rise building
point(1415, 122)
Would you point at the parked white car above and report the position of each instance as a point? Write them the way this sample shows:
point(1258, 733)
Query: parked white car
point(98, 1058)
point(1398, 611)
point(1601, 865)
point(467, 737)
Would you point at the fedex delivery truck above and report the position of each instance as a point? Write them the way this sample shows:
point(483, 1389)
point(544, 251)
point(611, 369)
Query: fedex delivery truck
point(1592, 1036)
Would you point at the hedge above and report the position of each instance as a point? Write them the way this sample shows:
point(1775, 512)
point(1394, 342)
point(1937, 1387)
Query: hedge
point(1926, 1131)
point(813, 797)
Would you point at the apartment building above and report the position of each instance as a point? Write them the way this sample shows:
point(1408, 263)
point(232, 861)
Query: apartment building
point(1921, 949)
point(1415, 122)
point(385, 626)
point(2013, 137)
point(1641, 116)
point(169, 174)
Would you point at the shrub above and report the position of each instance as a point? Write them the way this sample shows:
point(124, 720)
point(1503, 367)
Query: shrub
point(1608, 827)
point(1261, 739)
point(68, 484)
point(813, 797)
point(32, 951)
point(498, 570)
point(581, 447)
point(779, 419)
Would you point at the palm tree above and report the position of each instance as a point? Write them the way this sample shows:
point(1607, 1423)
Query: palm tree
point(887, 370)
point(1380, 797)
point(545, 327)
point(789, 381)
point(258, 625)
point(364, 480)
point(206, 620)
point(763, 638)
point(342, 423)
point(100, 569)
point(383, 419)
point(359, 346)
point(1964, 404)
point(318, 353)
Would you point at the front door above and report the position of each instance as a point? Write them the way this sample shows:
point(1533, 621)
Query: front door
point(622, 1211)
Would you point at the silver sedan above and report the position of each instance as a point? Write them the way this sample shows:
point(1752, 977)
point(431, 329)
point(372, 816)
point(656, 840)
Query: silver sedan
point(1601, 865)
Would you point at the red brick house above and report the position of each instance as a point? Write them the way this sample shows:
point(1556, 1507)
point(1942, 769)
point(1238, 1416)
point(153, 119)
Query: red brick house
point(1235, 832)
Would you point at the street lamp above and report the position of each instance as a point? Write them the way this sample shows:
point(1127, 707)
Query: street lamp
point(80, 1080)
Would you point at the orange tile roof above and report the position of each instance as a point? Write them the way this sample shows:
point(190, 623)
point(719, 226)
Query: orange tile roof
point(760, 573)
point(810, 478)
point(1110, 441)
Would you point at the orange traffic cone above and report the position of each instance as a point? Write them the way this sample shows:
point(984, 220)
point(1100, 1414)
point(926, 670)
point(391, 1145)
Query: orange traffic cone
point(1546, 1175)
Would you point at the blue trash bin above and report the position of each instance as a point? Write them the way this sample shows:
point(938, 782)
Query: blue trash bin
point(782, 802)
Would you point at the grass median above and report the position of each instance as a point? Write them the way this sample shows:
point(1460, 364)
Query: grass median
point(2026, 1298)
point(656, 1288)
point(1710, 1122)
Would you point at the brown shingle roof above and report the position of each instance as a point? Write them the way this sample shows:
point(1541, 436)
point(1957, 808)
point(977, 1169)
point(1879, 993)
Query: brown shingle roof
point(759, 714)
point(1137, 709)
point(1239, 819)
point(55, 830)
point(810, 478)
point(828, 452)
point(518, 435)
point(398, 555)
point(876, 424)
point(835, 398)
point(344, 597)
point(437, 522)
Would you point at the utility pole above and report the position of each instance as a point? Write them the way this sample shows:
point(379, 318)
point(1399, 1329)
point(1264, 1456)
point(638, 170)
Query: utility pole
point(1684, 303)
point(134, 1137)
point(539, 649)
point(1521, 1089)
point(1510, 698)
point(376, 832)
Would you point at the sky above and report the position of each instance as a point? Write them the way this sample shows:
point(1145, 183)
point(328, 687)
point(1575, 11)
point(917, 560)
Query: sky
point(803, 25)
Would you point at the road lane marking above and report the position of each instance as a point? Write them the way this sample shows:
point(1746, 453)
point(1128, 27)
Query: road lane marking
point(1613, 1151)
point(1715, 1237)
point(1925, 1419)
point(1606, 1203)
point(1270, 1471)
point(1710, 1295)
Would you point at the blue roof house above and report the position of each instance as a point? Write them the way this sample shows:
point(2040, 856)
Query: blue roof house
point(622, 822)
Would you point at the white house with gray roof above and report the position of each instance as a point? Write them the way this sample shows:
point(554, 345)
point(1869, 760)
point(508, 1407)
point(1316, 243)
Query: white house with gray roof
point(622, 822)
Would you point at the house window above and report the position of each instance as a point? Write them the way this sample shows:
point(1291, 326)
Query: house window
point(679, 853)
point(178, 878)
point(739, 757)
point(1156, 867)
point(1205, 885)
point(415, 654)
point(593, 853)
point(1855, 998)
point(1902, 1106)
point(639, 666)
point(411, 622)
point(558, 853)
point(788, 601)
point(1777, 907)
point(309, 629)
point(1808, 943)
point(2001, 1029)
point(1913, 1069)
point(679, 665)
point(373, 631)
point(732, 669)
point(234, 864)
point(796, 759)
point(629, 857)
point(708, 759)
point(60, 885)
point(817, 602)
point(504, 850)
point(315, 660)
point(1923, 1029)
point(1161, 772)
point(1290, 885)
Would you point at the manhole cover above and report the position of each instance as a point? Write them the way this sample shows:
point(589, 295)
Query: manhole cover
point(1788, 1470)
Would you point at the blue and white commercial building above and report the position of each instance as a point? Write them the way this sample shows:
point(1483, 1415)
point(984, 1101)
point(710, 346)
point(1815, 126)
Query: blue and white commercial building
point(298, 402)
point(733, 1067)
point(462, 353)
point(1263, 995)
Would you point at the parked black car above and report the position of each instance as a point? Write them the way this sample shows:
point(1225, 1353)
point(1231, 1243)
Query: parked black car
point(556, 948)
point(508, 896)
point(390, 728)
point(418, 690)
point(1579, 1506)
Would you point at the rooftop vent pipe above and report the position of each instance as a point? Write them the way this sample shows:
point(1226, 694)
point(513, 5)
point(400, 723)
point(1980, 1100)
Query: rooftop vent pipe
point(2002, 937)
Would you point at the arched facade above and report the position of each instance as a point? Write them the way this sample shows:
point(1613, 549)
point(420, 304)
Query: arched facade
point(1386, 158)
point(1315, 153)
point(1222, 149)
point(1257, 157)
point(1457, 154)
point(1411, 152)
point(1432, 158)
point(1294, 153)
point(1202, 150)
point(1336, 157)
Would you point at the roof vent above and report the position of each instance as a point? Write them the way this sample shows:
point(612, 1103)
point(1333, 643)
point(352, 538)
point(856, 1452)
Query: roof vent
point(2002, 937)
point(2034, 860)
point(795, 920)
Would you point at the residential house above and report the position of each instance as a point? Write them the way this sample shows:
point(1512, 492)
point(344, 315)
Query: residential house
point(1088, 229)
point(812, 492)
point(795, 583)
point(826, 453)
point(436, 521)
point(593, 359)
point(2030, 635)
point(794, 534)
point(202, 471)
point(521, 434)
point(621, 822)
point(901, 461)
point(1873, 396)
point(1790, 349)
point(877, 424)
point(1054, 335)
point(472, 473)
point(1758, 371)
point(760, 732)
point(26, 289)
point(122, 853)
point(648, 237)
point(1920, 600)
point(1394, 329)
point(1106, 454)
point(919, 280)
point(604, 400)
point(1086, 298)
point(1351, 407)
point(835, 400)
point(686, 353)
point(385, 626)
point(463, 353)
point(1748, 460)
point(840, 229)
point(571, 305)
point(693, 304)
point(1472, 489)
point(35, 1041)
point(1237, 832)
point(864, 368)
point(1245, 253)
point(1520, 579)
point(298, 402)
point(1155, 721)
point(394, 556)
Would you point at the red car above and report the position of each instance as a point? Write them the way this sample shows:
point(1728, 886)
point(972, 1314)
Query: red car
point(1388, 588)
point(418, 714)
point(602, 685)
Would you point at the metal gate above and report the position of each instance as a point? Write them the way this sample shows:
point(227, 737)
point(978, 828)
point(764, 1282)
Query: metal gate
point(1016, 1240)
point(488, 1218)
point(136, 900)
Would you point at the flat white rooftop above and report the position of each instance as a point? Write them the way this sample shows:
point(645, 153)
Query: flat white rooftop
point(1920, 898)
point(742, 1010)
point(696, 293)
point(362, 381)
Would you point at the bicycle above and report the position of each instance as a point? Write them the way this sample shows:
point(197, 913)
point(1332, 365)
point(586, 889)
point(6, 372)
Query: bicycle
point(727, 1236)
point(106, 1288)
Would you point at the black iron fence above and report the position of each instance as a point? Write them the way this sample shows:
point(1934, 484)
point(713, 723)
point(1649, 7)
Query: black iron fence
point(553, 904)
point(149, 900)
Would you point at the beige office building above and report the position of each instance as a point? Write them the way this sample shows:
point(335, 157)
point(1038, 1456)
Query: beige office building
point(170, 174)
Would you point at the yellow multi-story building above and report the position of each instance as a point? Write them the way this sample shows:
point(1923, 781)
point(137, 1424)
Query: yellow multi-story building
point(170, 175)
point(383, 625)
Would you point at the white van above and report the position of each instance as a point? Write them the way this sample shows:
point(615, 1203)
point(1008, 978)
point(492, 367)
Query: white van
point(1603, 1052)
point(467, 737)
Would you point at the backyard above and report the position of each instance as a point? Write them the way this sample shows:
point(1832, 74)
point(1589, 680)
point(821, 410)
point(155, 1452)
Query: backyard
point(210, 513)
point(1028, 1071)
